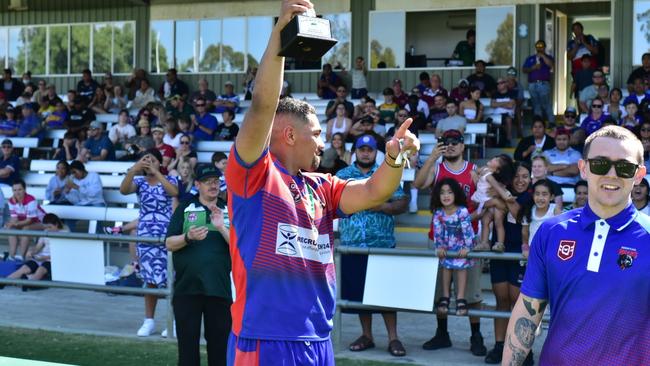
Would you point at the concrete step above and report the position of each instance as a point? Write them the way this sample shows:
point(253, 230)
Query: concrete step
point(420, 219)
point(494, 151)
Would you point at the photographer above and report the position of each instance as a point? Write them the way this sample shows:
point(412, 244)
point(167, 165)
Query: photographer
point(139, 143)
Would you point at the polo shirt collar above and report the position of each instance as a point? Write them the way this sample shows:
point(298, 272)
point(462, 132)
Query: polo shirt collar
point(618, 222)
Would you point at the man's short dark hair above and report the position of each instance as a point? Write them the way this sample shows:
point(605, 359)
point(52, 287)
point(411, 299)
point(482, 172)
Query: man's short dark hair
point(155, 153)
point(172, 71)
point(295, 108)
point(578, 24)
point(578, 184)
point(218, 156)
point(72, 91)
point(452, 101)
point(617, 133)
point(21, 182)
point(470, 33)
point(388, 91)
point(200, 99)
point(87, 72)
point(424, 75)
point(647, 54)
point(230, 112)
point(372, 101)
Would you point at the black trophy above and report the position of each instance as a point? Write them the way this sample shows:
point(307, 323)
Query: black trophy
point(306, 37)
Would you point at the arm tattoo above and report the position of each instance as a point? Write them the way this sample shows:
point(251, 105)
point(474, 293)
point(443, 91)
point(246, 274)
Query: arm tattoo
point(529, 307)
point(518, 354)
point(525, 332)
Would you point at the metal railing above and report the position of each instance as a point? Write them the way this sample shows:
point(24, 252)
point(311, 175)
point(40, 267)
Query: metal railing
point(167, 292)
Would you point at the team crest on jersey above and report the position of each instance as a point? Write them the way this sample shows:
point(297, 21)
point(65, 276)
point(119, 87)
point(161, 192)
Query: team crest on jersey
point(566, 249)
point(626, 257)
point(295, 192)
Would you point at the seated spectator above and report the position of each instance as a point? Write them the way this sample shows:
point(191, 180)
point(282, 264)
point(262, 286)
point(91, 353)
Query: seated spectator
point(107, 83)
point(204, 92)
point(144, 95)
point(226, 101)
point(79, 118)
point(98, 101)
point(98, 144)
point(87, 86)
point(631, 119)
point(56, 119)
point(399, 96)
point(115, 99)
point(30, 126)
point(504, 102)
point(461, 92)
point(37, 265)
point(563, 160)
point(472, 109)
point(71, 95)
point(173, 86)
point(228, 129)
point(25, 97)
point(424, 88)
point(12, 87)
point(640, 197)
point(68, 150)
point(367, 106)
point(341, 95)
point(9, 165)
point(437, 112)
point(167, 152)
point(589, 93)
point(25, 214)
point(336, 157)
point(44, 108)
point(642, 72)
point(52, 96)
point(639, 91)
point(133, 82)
point(139, 143)
point(415, 104)
point(83, 188)
point(378, 124)
point(184, 151)
point(400, 116)
point(465, 51)
point(177, 108)
point(203, 123)
point(122, 130)
point(172, 133)
point(482, 80)
point(56, 185)
point(339, 124)
point(453, 121)
point(158, 114)
point(328, 83)
point(595, 118)
point(184, 126)
point(185, 173)
point(577, 133)
point(536, 143)
point(9, 124)
point(220, 161)
point(614, 107)
point(41, 91)
point(581, 192)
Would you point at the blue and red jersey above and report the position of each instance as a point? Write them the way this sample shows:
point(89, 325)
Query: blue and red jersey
point(281, 245)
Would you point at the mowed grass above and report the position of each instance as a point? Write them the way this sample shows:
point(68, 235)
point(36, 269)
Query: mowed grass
point(87, 350)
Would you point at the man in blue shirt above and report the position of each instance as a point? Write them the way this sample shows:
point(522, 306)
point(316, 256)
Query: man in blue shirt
point(9, 125)
point(592, 265)
point(204, 124)
point(98, 144)
point(31, 124)
point(539, 68)
point(9, 164)
point(227, 101)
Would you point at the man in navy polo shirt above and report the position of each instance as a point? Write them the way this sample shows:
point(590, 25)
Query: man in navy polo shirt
point(204, 124)
point(9, 164)
point(539, 68)
point(592, 265)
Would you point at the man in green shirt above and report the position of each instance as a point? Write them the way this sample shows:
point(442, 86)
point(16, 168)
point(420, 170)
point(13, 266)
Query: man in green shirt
point(466, 50)
point(198, 238)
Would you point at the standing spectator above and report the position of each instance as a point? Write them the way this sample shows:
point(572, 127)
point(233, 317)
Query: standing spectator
point(642, 72)
point(172, 86)
point(203, 91)
point(83, 188)
point(472, 108)
point(226, 101)
point(482, 80)
point(595, 118)
point(198, 238)
point(341, 97)
point(581, 44)
point(30, 126)
point(539, 68)
point(12, 87)
point(340, 123)
point(203, 123)
point(453, 121)
point(133, 82)
point(536, 143)
point(98, 144)
point(228, 129)
point(144, 95)
point(328, 83)
point(155, 192)
point(56, 185)
point(589, 93)
point(9, 124)
point(370, 228)
point(504, 102)
point(115, 99)
point(167, 152)
point(68, 150)
point(122, 131)
point(25, 214)
point(79, 118)
point(466, 50)
point(461, 92)
point(359, 82)
point(9, 165)
point(584, 77)
point(87, 86)
point(399, 96)
point(563, 160)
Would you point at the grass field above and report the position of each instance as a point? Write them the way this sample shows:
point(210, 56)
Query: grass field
point(85, 350)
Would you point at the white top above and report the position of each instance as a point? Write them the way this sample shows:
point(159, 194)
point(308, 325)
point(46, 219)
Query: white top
point(358, 79)
point(119, 134)
point(89, 192)
point(335, 128)
point(469, 113)
point(174, 142)
point(536, 221)
point(482, 186)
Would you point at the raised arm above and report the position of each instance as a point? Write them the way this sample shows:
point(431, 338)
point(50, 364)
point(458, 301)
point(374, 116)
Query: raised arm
point(255, 132)
point(526, 316)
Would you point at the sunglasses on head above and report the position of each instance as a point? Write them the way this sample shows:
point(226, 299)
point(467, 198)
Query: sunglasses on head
point(601, 166)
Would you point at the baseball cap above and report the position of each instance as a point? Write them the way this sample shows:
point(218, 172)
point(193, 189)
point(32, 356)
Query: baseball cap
point(479, 61)
point(204, 171)
point(366, 140)
point(7, 142)
point(229, 83)
point(95, 124)
point(571, 110)
point(143, 123)
point(453, 135)
point(157, 129)
point(463, 81)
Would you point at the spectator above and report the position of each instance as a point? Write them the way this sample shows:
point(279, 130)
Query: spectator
point(484, 81)
point(98, 144)
point(590, 92)
point(631, 119)
point(25, 214)
point(25, 97)
point(220, 161)
point(52, 96)
point(465, 51)
point(79, 118)
point(453, 121)
point(435, 89)
point(98, 101)
point(581, 44)
point(595, 118)
point(639, 91)
point(228, 129)
point(184, 151)
point(139, 143)
point(389, 107)
point(158, 114)
point(399, 96)
point(87, 86)
point(249, 82)
point(504, 102)
point(359, 82)
point(9, 124)
point(424, 89)
point(461, 92)
point(44, 108)
point(341, 95)
point(640, 196)
point(185, 174)
point(167, 152)
point(577, 134)
point(9, 165)
point(370, 228)
point(518, 90)
point(437, 112)
point(122, 131)
point(30, 126)
point(68, 150)
point(203, 92)
point(415, 105)
point(83, 188)
point(336, 157)
point(536, 143)
point(71, 95)
point(228, 100)
point(642, 72)
point(107, 82)
point(3, 101)
point(155, 192)
point(563, 160)
point(56, 185)
point(339, 124)
point(198, 238)
point(472, 108)
point(178, 108)
point(603, 93)
point(203, 123)
point(580, 191)
point(133, 82)
point(56, 119)
point(184, 126)
point(172, 133)
point(539, 168)
point(328, 83)
point(41, 91)
point(12, 87)
point(144, 95)
point(614, 107)
point(539, 68)
point(172, 86)
point(366, 126)
point(115, 99)
point(584, 77)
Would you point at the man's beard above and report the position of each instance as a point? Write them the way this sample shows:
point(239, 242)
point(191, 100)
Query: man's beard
point(453, 159)
point(363, 165)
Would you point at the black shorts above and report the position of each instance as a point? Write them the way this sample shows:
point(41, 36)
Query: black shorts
point(506, 271)
point(33, 266)
point(353, 280)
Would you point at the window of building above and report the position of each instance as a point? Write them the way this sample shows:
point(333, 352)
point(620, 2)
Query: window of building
point(162, 45)
point(641, 32)
point(79, 48)
point(59, 46)
point(210, 45)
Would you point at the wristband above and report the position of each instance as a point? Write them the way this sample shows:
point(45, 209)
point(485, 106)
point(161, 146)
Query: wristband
point(391, 164)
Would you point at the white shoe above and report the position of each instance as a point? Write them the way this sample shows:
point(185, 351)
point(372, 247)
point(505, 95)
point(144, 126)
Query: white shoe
point(413, 207)
point(164, 332)
point(148, 326)
point(18, 258)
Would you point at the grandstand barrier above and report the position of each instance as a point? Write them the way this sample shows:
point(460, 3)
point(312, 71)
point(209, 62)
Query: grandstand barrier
point(167, 293)
point(24, 143)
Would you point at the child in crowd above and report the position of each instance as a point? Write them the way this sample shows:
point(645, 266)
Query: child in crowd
point(220, 160)
point(452, 230)
point(496, 175)
point(631, 119)
point(532, 215)
point(539, 170)
point(57, 117)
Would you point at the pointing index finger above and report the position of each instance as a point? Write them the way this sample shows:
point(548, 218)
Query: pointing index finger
point(402, 129)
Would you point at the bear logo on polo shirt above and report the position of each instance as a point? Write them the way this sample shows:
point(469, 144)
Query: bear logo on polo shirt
point(626, 257)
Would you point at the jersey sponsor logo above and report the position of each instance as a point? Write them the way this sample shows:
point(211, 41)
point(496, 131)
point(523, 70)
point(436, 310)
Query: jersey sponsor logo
point(626, 257)
point(298, 242)
point(566, 249)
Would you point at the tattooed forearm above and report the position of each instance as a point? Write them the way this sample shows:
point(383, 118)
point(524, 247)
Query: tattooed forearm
point(529, 307)
point(518, 354)
point(529, 304)
point(525, 332)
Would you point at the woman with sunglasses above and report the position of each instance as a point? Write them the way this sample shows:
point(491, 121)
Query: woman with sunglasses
point(595, 118)
point(184, 151)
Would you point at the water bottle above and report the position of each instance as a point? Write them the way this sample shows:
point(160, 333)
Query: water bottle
point(412, 50)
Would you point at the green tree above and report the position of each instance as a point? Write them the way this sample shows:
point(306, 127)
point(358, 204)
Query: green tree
point(58, 50)
point(123, 47)
point(378, 54)
point(102, 35)
point(79, 48)
point(232, 60)
point(500, 49)
point(210, 61)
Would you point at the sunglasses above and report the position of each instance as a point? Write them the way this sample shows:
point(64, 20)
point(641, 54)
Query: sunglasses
point(185, 142)
point(200, 105)
point(601, 166)
point(452, 142)
point(645, 130)
point(402, 115)
point(596, 106)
